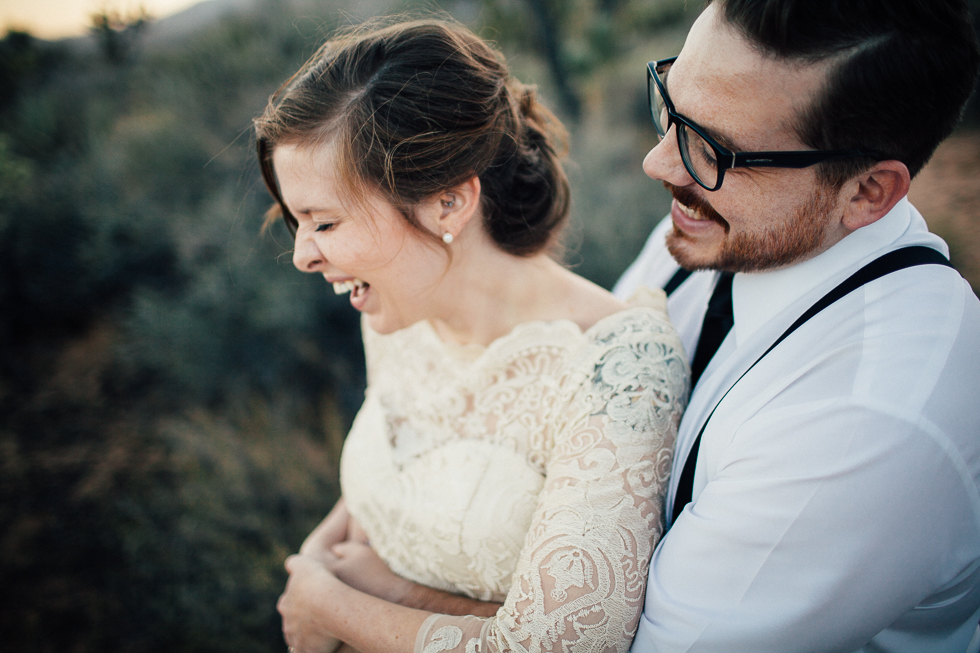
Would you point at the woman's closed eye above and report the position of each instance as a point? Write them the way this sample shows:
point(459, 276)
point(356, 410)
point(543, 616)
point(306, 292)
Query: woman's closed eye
point(324, 226)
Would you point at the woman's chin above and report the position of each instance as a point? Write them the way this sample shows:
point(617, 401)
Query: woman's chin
point(384, 324)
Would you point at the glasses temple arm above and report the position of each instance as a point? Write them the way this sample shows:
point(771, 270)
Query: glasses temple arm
point(801, 159)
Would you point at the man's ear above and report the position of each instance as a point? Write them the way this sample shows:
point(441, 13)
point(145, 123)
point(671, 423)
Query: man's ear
point(874, 193)
point(458, 206)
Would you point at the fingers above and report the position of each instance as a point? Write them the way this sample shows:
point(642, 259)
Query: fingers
point(355, 533)
point(344, 549)
point(341, 556)
point(331, 530)
point(303, 625)
point(345, 555)
point(299, 563)
point(351, 549)
point(325, 557)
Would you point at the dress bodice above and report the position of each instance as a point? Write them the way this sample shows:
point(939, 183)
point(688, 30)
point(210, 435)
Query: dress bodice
point(528, 472)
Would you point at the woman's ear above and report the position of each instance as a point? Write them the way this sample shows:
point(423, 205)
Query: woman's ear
point(458, 206)
point(874, 193)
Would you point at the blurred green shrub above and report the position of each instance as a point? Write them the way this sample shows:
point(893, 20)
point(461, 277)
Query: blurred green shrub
point(173, 397)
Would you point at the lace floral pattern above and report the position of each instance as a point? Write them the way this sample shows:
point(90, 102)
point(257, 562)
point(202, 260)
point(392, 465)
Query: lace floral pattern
point(531, 472)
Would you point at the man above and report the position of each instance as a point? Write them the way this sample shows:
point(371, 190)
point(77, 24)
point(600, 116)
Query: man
point(831, 501)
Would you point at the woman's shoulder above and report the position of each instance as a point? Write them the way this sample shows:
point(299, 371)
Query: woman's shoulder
point(591, 306)
point(632, 371)
point(643, 316)
point(636, 342)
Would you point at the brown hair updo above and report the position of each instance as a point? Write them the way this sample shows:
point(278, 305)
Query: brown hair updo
point(417, 108)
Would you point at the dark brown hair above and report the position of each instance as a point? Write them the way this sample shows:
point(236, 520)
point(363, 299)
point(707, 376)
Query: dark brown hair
point(906, 68)
point(416, 108)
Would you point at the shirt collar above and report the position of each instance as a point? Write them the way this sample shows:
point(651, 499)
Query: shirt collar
point(759, 296)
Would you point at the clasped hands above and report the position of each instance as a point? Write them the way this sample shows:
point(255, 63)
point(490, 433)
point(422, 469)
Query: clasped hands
point(336, 554)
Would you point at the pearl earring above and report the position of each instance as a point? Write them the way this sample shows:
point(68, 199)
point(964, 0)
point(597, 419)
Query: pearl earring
point(447, 238)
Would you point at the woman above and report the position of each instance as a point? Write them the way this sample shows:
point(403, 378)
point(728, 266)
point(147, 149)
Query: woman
point(515, 438)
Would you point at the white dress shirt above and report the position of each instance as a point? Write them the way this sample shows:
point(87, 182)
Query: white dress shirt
point(835, 500)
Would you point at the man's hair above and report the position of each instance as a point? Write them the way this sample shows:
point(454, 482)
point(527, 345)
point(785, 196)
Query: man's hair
point(904, 70)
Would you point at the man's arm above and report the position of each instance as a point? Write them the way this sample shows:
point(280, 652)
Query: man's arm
point(820, 523)
point(429, 599)
point(357, 564)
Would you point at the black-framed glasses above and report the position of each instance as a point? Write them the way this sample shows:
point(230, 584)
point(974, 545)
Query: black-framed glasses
point(704, 158)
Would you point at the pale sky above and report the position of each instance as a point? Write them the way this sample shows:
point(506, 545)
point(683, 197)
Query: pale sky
point(52, 19)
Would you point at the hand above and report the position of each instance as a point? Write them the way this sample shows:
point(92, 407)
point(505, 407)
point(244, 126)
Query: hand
point(309, 600)
point(333, 529)
point(356, 564)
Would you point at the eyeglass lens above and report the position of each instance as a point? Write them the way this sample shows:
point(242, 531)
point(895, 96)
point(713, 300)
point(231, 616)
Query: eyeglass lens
point(699, 157)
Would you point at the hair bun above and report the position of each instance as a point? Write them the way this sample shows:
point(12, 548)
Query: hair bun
point(528, 99)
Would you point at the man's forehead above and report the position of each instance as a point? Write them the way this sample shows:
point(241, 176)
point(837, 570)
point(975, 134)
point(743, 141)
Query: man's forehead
point(722, 81)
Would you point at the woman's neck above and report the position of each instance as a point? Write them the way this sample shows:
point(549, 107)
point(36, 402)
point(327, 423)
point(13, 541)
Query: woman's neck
point(488, 292)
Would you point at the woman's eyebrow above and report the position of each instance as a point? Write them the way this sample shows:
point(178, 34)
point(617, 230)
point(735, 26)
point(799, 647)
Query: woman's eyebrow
point(310, 209)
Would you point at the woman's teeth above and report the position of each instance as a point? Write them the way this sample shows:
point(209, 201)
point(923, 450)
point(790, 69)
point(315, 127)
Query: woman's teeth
point(352, 285)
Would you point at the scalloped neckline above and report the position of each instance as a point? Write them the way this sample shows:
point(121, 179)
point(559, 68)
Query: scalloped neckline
point(642, 299)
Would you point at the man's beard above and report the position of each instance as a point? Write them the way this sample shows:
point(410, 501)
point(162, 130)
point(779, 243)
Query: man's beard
point(776, 247)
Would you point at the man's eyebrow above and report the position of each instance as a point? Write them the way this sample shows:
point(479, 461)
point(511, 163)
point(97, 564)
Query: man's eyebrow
point(718, 137)
point(721, 139)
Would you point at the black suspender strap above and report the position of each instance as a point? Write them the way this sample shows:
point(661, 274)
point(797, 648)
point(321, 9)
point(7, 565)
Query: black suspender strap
point(679, 277)
point(894, 261)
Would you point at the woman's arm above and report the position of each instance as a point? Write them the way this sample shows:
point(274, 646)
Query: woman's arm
point(580, 579)
point(581, 574)
point(317, 606)
point(340, 545)
point(310, 613)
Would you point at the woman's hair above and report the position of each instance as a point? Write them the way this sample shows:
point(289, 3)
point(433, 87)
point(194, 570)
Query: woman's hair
point(415, 109)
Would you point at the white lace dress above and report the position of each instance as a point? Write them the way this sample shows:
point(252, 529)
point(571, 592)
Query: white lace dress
point(529, 472)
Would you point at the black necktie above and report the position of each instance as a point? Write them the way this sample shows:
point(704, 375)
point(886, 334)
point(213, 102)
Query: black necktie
point(717, 323)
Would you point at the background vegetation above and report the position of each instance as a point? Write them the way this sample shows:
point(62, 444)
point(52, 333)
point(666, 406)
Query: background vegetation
point(173, 395)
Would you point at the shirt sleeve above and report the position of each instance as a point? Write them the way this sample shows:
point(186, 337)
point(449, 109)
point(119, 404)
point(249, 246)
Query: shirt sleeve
point(580, 578)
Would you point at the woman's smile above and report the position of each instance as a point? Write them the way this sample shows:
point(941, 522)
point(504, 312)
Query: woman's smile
point(358, 290)
point(368, 250)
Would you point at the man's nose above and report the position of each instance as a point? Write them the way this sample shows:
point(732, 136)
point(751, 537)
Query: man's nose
point(664, 161)
point(307, 256)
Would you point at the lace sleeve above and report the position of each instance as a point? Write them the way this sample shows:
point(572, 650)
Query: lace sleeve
point(580, 579)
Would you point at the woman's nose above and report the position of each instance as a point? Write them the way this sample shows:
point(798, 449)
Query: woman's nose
point(664, 162)
point(307, 257)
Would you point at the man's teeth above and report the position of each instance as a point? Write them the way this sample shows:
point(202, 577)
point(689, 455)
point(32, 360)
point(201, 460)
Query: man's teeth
point(340, 287)
point(691, 213)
